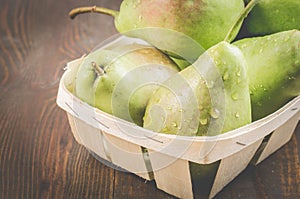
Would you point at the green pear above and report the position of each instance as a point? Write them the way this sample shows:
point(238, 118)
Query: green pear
point(120, 81)
point(209, 97)
point(182, 28)
point(271, 16)
point(273, 70)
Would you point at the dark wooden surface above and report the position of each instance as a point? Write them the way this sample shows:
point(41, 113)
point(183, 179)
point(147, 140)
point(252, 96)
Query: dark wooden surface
point(39, 158)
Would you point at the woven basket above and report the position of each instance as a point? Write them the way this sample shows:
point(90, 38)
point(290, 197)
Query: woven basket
point(167, 158)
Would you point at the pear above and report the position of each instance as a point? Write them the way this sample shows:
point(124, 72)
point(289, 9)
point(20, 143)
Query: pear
point(209, 97)
point(273, 70)
point(181, 28)
point(271, 16)
point(120, 81)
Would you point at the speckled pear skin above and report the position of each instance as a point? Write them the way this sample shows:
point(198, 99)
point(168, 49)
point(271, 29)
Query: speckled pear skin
point(209, 97)
point(273, 70)
point(271, 16)
point(205, 21)
point(117, 89)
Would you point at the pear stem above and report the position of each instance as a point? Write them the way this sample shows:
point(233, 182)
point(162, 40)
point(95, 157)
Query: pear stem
point(100, 71)
point(230, 35)
point(76, 11)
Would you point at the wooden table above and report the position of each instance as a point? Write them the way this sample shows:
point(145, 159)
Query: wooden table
point(39, 158)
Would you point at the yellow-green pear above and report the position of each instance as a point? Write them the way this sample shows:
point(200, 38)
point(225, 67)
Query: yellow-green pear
point(182, 28)
point(209, 97)
point(120, 81)
point(273, 69)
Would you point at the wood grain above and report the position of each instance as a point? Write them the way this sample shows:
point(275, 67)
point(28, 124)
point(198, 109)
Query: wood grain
point(39, 158)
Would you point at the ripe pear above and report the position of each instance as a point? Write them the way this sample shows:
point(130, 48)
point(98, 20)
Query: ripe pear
point(271, 16)
point(209, 97)
point(182, 28)
point(273, 70)
point(120, 81)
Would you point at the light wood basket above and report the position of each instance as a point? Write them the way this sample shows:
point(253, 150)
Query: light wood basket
point(167, 158)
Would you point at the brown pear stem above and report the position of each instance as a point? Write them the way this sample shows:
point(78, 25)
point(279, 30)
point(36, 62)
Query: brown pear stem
point(76, 11)
point(230, 35)
point(100, 71)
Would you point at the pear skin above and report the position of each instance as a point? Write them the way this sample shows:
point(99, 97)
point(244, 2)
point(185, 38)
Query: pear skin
point(121, 80)
point(272, 16)
point(273, 69)
point(181, 63)
point(206, 21)
point(209, 97)
point(181, 28)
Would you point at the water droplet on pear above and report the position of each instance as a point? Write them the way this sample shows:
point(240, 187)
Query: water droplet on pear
point(234, 96)
point(225, 76)
point(237, 115)
point(214, 113)
point(203, 121)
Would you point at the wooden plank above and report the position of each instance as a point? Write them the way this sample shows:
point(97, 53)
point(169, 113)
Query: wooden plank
point(279, 137)
point(71, 120)
point(126, 155)
point(171, 175)
point(88, 136)
point(231, 166)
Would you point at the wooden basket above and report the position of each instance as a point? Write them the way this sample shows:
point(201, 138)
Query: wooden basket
point(167, 158)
